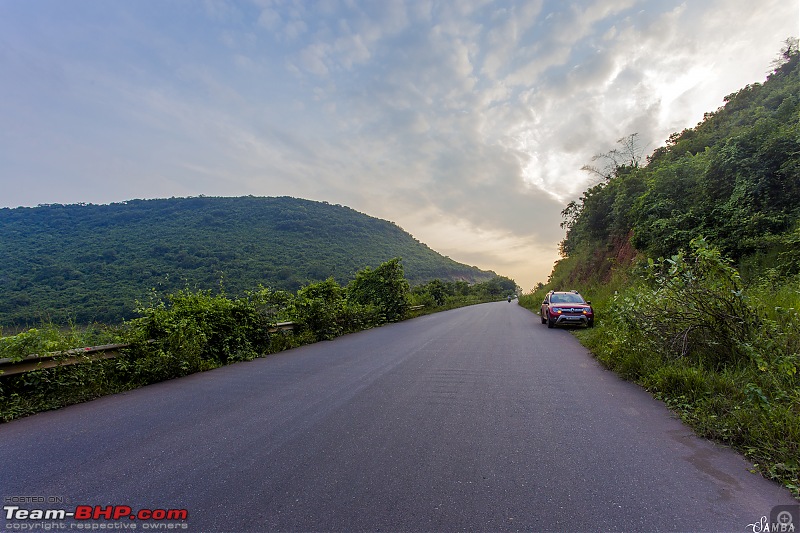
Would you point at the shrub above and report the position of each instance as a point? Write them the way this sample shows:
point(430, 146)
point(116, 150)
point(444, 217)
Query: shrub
point(187, 332)
point(320, 308)
point(197, 325)
point(48, 337)
point(692, 305)
point(724, 355)
point(385, 287)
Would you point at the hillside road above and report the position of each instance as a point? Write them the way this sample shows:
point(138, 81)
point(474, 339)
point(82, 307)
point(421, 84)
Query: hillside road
point(478, 419)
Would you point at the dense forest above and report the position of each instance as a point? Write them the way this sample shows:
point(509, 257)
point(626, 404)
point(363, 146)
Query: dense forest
point(191, 331)
point(735, 179)
point(89, 263)
point(692, 261)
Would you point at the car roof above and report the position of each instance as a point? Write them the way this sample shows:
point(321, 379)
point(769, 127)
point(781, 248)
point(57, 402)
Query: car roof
point(574, 297)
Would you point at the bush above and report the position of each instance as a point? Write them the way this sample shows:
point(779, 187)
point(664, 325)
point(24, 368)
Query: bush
point(692, 305)
point(725, 356)
point(198, 327)
point(320, 309)
point(187, 332)
point(385, 288)
point(50, 338)
point(50, 388)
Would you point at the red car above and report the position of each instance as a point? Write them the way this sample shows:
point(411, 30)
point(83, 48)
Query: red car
point(561, 308)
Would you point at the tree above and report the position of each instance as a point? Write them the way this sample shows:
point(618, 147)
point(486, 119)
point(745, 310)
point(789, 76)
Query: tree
point(385, 287)
point(496, 287)
point(628, 155)
point(789, 51)
point(320, 307)
point(437, 290)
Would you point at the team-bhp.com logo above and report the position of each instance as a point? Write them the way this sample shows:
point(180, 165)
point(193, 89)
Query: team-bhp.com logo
point(782, 519)
point(88, 516)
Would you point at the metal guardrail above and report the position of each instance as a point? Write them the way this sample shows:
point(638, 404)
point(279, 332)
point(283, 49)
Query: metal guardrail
point(10, 367)
point(282, 326)
point(69, 357)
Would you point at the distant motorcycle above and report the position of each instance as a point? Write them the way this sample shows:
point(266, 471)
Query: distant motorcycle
point(509, 299)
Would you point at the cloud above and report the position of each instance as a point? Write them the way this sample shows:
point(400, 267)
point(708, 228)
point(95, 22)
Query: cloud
point(465, 122)
point(270, 19)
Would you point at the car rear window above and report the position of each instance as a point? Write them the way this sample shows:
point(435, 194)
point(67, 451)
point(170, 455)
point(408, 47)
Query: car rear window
point(569, 298)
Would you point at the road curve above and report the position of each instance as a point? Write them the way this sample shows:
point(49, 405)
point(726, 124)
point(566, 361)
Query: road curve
point(478, 418)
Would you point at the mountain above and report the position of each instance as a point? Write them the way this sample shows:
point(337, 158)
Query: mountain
point(692, 263)
point(734, 179)
point(92, 262)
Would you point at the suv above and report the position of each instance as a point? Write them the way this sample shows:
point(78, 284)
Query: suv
point(559, 308)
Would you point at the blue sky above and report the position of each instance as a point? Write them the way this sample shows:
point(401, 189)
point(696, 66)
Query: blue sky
point(466, 122)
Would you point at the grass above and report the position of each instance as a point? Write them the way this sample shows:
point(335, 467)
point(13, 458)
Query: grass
point(190, 342)
point(750, 402)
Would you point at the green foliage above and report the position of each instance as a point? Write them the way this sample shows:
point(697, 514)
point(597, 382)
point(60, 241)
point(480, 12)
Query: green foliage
point(202, 327)
point(497, 287)
point(194, 330)
point(385, 287)
point(91, 263)
point(50, 338)
point(320, 308)
point(717, 343)
point(733, 178)
point(50, 388)
point(438, 295)
point(691, 304)
point(437, 291)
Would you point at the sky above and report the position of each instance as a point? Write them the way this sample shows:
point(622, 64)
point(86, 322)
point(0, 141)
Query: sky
point(464, 122)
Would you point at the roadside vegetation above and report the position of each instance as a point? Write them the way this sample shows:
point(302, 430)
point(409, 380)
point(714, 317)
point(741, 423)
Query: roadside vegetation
point(90, 263)
point(692, 262)
point(189, 331)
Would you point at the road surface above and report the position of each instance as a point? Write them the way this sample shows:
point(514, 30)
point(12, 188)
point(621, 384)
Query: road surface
point(477, 419)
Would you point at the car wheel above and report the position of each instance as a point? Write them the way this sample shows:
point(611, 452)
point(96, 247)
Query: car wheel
point(591, 323)
point(550, 322)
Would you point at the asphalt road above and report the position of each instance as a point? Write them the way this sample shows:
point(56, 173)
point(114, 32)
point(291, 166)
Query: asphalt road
point(477, 419)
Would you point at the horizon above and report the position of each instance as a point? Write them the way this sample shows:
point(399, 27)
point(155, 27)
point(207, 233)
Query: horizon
point(125, 202)
point(465, 124)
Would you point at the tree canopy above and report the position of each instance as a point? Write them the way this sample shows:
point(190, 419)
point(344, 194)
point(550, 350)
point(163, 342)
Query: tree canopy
point(92, 262)
point(734, 179)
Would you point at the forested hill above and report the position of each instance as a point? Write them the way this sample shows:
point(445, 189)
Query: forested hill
point(692, 262)
point(733, 179)
point(91, 262)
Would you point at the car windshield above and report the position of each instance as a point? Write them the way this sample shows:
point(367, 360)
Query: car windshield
point(566, 298)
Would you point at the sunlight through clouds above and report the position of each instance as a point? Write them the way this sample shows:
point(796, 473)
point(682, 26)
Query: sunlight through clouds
point(467, 123)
